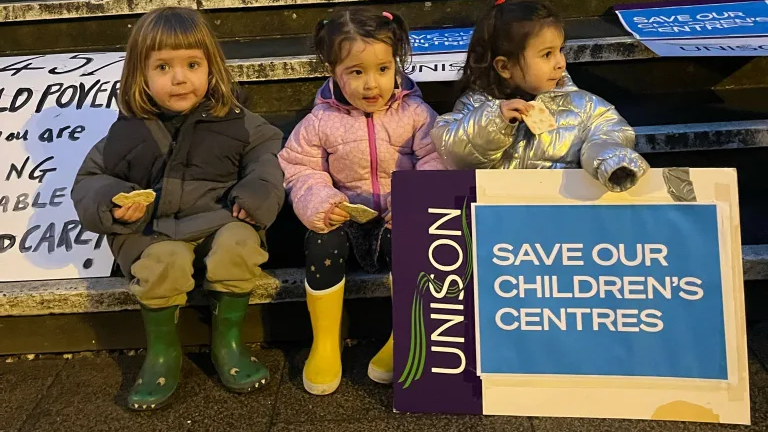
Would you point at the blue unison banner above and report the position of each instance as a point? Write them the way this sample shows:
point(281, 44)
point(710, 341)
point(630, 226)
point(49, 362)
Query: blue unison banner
point(605, 290)
point(702, 19)
point(440, 41)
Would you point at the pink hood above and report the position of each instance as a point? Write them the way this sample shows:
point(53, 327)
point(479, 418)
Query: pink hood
point(338, 153)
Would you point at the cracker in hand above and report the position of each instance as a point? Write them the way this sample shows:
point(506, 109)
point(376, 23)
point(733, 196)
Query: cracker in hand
point(539, 120)
point(145, 197)
point(358, 213)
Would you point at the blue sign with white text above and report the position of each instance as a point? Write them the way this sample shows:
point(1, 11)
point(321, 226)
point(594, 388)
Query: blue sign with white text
point(605, 290)
point(440, 41)
point(715, 20)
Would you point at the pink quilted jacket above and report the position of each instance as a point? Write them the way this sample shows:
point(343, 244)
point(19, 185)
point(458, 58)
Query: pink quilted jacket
point(332, 154)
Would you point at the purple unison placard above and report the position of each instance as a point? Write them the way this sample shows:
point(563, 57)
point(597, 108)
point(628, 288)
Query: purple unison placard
point(433, 288)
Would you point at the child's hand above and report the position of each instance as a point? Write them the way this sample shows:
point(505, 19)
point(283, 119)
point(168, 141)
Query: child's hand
point(130, 213)
point(337, 217)
point(514, 109)
point(242, 214)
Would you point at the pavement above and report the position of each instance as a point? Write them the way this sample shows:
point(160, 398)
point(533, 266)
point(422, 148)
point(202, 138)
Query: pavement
point(86, 392)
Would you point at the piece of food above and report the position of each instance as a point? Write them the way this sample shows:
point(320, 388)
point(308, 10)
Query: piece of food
point(358, 213)
point(146, 197)
point(539, 120)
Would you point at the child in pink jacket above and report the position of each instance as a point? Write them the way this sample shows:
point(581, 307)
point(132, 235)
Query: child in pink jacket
point(369, 120)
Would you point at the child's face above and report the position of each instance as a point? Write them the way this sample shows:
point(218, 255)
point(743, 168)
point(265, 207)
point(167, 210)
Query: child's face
point(542, 63)
point(367, 74)
point(177, 79)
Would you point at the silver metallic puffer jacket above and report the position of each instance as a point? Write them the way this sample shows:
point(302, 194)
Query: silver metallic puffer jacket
point(590, 134)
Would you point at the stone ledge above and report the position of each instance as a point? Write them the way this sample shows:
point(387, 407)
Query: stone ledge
point(702, 136)
point(230, 4)
point(282, 285)
point(111, 294)
point(47, 10)
point(299, 67)
point(32, 10)
point(755, 258)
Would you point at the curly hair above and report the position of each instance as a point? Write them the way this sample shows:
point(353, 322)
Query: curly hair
point(504, 30)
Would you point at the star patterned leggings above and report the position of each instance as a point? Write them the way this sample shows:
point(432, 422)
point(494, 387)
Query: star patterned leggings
point(327, 256)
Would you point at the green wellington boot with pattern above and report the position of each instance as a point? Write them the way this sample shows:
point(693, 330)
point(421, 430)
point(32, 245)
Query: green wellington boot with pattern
point(160, 373)
point(239, 371)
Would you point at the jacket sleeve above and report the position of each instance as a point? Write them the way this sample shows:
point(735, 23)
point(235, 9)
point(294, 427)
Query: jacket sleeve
point(260, 189)
point(424, 149)
point(474, 135)
point(608, 153)
point(307, 177)
point(92, 195)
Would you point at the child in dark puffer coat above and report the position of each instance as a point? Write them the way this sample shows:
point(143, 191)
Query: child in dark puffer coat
point(214, 168)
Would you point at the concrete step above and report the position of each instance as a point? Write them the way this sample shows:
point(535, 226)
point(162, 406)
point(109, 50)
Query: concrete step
point(78, 26)
point(702, 136)
point(283, 76)
point(69, 296)
point(281, 18)
point(663, 146)
point(301, 63)
point(639, 104)
point(111, 34)
point(100, 314)
point(283, 285)
point(37, 10)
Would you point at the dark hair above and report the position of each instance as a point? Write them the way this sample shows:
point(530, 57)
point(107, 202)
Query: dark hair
point(504, 30)
point(361, 23)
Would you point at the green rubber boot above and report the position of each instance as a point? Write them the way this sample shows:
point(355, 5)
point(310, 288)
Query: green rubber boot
point(160, 373)
point(239, 371)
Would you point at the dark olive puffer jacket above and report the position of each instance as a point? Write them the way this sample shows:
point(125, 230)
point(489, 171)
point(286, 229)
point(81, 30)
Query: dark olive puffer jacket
point(214, 163)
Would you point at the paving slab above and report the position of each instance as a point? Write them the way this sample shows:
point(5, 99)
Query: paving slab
point(89, 394)
point(758, 341)
point(358, 398)
point(22, 384)
point(363, 405)
point(758, 383)
point(414, 423)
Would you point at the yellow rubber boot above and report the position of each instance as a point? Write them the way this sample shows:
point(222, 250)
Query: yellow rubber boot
point(322, 372)
point(380, 367)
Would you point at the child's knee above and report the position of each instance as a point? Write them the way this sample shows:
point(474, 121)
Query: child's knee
point(238, 235)
point(170, 260)
point(236, 255)
point(335, 241)
point(163, 274)
point(326, 259)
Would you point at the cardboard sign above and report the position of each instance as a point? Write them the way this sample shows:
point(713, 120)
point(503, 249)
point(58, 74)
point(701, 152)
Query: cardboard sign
point(53, 109)
point(440, 41)
point(438, 55)
point(699, 28)
point(640, 284)
point(562, 299)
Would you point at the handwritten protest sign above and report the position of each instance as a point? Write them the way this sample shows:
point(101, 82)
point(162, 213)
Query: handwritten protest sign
point(562, 299)
point(53, 109)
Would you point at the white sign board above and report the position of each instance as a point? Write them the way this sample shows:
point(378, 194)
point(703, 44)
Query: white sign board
point(713, 28)
point(436, 67)
point(713, 47)
point(53, 109)
point(438, 55)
